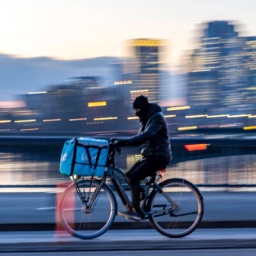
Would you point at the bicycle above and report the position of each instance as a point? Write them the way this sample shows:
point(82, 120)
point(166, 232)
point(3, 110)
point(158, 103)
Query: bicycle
point(87, 207)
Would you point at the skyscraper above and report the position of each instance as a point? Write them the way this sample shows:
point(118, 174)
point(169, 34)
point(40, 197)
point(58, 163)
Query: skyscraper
point(146, 56)
point(221, 56)
point(250, 64)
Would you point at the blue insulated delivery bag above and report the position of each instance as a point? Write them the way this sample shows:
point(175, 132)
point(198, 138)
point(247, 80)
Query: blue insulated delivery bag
point(84, 156)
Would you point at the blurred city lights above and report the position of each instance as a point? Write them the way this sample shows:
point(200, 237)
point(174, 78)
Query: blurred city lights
point(216, 84)
point(97, 104)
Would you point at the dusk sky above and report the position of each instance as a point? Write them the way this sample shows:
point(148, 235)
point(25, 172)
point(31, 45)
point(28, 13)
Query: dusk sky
point(82, 29)
point(78, 29)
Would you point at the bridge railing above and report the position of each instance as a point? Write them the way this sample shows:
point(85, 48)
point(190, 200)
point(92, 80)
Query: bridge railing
point(211, 163)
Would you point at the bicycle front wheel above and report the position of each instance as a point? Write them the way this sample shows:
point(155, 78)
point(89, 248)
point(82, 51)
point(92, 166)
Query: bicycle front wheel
point(177, 208)
point(81, 221)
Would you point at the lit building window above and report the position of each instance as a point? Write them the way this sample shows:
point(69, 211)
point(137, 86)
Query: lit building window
point(97, 104)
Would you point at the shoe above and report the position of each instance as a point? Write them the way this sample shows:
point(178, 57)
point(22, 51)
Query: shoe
point(131, 215)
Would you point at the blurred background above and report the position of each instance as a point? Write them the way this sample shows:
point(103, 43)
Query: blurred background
point(73, 68)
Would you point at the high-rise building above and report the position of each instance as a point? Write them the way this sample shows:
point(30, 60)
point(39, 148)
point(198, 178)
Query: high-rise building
point(219, 59)
point(145, 57)
point(250, 64)
point(203, 93)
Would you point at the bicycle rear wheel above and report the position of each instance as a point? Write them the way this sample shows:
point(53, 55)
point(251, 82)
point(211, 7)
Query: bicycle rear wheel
point(80, 221)
point(178, 208)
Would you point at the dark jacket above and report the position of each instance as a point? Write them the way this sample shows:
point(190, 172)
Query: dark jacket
point(154, 133)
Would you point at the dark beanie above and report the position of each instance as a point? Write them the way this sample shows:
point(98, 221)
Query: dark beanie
point(140, 102)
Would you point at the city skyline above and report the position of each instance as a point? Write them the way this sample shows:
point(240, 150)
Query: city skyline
point(47, 71)
point(220, 87)
point(82, 29)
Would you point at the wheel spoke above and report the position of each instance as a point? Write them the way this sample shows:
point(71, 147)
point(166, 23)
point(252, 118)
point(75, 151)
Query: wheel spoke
point(176, 207)
point(81, 221)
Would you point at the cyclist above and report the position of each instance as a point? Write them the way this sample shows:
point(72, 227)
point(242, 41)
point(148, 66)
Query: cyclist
point(156, 153)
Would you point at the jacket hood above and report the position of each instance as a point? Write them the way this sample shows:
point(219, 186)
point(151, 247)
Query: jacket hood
point(145, 114)
point(152, 109)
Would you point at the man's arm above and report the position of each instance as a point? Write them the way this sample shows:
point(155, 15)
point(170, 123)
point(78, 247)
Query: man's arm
point(154, 127)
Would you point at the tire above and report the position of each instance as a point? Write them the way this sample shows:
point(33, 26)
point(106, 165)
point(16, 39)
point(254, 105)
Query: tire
point(180, 222)
point(91, 224)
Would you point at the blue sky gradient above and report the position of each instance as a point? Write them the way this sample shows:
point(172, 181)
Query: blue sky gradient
point(78, 29)
point(82, 29)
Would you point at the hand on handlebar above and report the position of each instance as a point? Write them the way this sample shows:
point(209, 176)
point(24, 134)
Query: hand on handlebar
point(118, 142)
point(114, 145)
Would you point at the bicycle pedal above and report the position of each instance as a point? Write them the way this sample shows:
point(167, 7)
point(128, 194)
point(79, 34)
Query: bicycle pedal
point(130, 216)
point(132, 219)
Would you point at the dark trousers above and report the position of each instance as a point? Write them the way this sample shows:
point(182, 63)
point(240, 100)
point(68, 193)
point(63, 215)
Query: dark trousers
point(140, 170)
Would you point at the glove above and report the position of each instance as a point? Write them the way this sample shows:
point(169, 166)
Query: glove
point(119, 142)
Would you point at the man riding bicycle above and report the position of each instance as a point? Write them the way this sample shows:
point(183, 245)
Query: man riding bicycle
point(156, 153)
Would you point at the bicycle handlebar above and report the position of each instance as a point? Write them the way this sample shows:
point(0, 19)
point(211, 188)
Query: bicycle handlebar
point(113, 147)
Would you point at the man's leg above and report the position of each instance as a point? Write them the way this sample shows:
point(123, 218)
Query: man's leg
point(142, 169)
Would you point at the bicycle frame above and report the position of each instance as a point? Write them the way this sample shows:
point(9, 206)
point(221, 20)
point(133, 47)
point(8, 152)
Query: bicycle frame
point(151, 184)
point(123, 196)
point(111, 173)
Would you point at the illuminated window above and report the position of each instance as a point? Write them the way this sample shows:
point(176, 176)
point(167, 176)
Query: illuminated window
point(97, 104)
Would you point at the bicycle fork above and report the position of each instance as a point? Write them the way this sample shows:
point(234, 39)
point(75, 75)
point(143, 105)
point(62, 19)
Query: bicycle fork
point(89, 201)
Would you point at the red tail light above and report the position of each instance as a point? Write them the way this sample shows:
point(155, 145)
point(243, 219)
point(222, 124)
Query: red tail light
point(194, 147)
